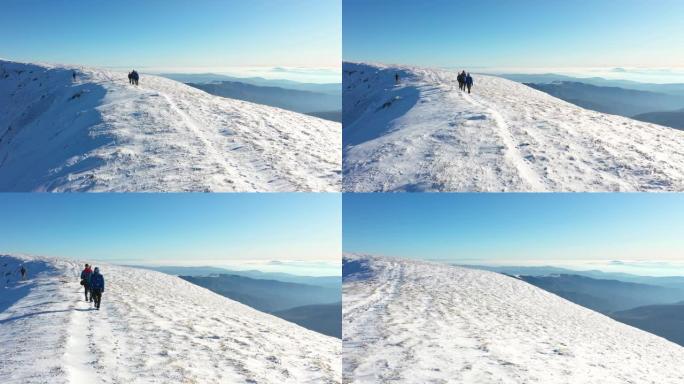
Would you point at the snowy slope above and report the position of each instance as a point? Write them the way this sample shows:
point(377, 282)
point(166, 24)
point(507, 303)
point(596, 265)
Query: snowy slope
point(151, 328)
point(99, 133)
point(419, 322)
point(425, 135)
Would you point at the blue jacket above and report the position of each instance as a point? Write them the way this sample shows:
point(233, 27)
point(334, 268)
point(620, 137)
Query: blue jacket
point(469, 80)
point(97, 281)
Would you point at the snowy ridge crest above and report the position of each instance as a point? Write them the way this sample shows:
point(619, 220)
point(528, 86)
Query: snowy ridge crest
point(419, 322)
point(152, 327)
point(424, 134)
point(98, 133)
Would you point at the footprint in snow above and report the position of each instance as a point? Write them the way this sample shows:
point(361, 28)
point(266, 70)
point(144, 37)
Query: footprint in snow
point(477, 117)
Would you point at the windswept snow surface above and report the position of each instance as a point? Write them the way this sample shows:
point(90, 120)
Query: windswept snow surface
point(420, 322)
point(151, 328)
point(99, 133)
point(423, 134)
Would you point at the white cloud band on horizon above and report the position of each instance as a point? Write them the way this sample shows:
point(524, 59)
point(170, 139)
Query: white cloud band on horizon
point(664, 75)
point(637, 267)
point(299, 74)
point(295, 267)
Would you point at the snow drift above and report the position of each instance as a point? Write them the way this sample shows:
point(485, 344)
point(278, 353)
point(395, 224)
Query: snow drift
point(420, 322)
point(98, 133)
point(152, 327)
point(423, 134)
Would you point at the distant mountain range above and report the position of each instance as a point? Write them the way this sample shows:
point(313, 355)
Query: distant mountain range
point(332, 115)
point(663, 281)
point(614, 100)
point(201, 78)
point(266, 295)
point(661, 104)
point(674, 119)
point(665, 320)
point(322, 318)
point(676, 89)
point(314, 307)
point(324, 281)
point(302, 101)
point(310, 301)
point(605, 296)
point(653, 304)
point(319, 100)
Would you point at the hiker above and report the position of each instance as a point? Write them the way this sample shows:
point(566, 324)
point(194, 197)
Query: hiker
point(23, 272)
point(130, 77)
point(97, 285)
point(469, 82)
point(86, 275)
point(396, 78)
point(135, 77)
point(460, 80)
point(73, 75)
point(463, 79)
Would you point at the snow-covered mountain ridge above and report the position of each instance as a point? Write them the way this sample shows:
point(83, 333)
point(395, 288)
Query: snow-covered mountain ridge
point(151, 328)
point(423, 134)
point(99, 133)
point(420, 322)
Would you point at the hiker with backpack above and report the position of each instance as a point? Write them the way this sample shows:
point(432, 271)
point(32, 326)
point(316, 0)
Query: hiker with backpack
point(97, 286)
point(462, 77)
point(130, 78)
point(469, 82)
point(86, 275)
point(135, 77)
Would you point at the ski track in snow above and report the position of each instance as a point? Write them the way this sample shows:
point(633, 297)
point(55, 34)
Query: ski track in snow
point(420, 322)
point(151, 328)
point(99, 133)
point(424, 134)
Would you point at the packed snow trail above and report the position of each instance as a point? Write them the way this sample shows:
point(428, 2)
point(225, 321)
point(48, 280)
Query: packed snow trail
point(151, 328)
point(100, 133)
point(423, 134)
point(420, 322)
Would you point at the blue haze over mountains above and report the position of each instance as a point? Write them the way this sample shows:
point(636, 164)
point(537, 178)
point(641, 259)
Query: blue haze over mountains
point(313, 302)
point(661, 104)
point(320, 100)
point(652, 304)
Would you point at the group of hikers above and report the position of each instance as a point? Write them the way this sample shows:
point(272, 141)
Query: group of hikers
point(465, 81)
point(93, 282)
point(133, 77)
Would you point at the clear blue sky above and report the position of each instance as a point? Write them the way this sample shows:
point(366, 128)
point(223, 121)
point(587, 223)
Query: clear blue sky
point(517, 229)
point(204, 229)
point(177, 33)
point(521, 33)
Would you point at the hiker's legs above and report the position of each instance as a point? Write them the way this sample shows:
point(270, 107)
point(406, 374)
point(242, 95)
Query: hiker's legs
point(98, 298)
point(85, 291)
